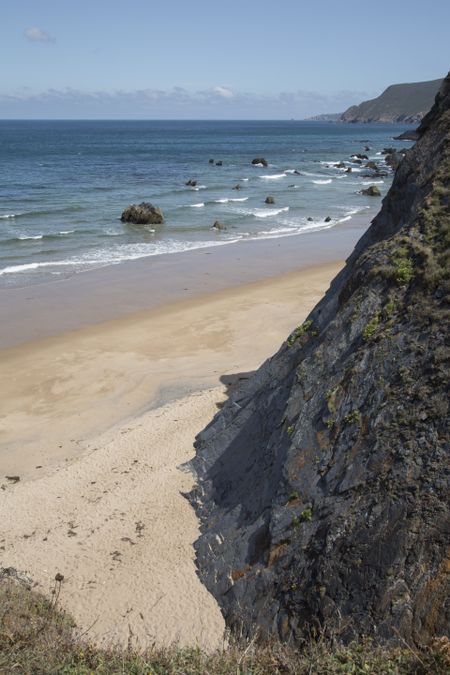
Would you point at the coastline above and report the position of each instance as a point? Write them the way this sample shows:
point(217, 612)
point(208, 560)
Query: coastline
point(38, 311)
point(98, 419)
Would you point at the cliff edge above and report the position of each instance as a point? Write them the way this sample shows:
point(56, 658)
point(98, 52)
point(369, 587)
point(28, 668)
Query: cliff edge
point(323, 483)
point(407, 103)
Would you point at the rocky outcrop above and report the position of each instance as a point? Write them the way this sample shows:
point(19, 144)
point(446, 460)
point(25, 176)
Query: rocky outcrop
point(269, 200)
point(323, 482)
point(406, 103)
point(259, 161)
point(142, 214)
point(371, 191)
point(218, 226)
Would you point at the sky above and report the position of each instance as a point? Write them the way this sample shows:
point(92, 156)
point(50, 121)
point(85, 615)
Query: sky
point(209, 59)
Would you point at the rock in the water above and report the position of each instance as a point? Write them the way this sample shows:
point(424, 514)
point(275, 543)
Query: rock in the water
point(348, 169)
point(371, 191)
point(219, 163)
point(218, 226)
point(328, 219)
point(340, 165)
point(142, 214)
point(237, 187)
point(408, 136)
point(211, 161)
point(309, 218)
point(191, 183)
point(372, 165)
point(394, 159)
point(269, 200)
point(359, 155)
point(260, 160)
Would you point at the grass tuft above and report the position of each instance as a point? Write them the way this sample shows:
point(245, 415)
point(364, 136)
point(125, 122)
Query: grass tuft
point(37, 638)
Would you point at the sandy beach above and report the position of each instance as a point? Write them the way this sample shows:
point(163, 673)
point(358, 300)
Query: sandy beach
point(96, 423)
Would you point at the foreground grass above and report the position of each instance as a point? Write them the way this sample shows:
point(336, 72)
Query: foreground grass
point(36, 637)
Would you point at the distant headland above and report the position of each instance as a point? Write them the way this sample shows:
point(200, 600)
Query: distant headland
point(399, 103)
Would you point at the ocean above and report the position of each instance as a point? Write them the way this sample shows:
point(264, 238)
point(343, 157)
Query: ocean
point(64, 185)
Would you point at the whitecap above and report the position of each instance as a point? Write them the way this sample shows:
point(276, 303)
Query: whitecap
point(230, 199)
point(197, 206)
point(322, 182)
point(312, 175)
point(9, 215)
point(63, 232)
point(373, 182)
point(267, 213)
point(22, 237)
point(275, 176)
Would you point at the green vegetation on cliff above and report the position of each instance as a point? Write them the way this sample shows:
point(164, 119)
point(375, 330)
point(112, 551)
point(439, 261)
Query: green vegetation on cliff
point(36, 638)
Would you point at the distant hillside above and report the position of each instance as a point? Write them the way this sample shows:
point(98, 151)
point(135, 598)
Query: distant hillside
point(407, 103)
point(325, 117)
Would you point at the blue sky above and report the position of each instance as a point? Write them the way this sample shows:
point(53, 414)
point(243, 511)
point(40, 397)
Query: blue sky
point(198, 59)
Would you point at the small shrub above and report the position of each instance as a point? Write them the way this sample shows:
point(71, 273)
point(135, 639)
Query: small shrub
point(371, 328)
point(306, 515)
point(353, 417)
point(300, 331)
point(290, 430)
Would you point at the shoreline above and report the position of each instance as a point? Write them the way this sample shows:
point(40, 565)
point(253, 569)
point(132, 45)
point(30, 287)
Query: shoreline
point(91, 297)
point(97, 423)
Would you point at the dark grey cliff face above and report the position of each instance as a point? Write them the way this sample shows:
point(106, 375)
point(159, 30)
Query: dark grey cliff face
point(324, 482)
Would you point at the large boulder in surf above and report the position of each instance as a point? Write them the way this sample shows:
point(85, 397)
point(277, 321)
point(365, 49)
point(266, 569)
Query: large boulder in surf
point(142, 214)
point(218, 226)
point(270, 200)
point(260, 160)
point(371, 191)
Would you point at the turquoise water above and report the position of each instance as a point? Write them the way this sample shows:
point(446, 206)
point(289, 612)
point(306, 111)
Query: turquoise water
point(64, 184)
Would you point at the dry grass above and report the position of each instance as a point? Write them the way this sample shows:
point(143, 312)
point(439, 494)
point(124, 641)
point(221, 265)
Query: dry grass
point(36, 637)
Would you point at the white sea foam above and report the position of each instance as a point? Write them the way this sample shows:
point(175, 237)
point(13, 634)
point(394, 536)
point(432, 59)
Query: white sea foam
point(9, 215)
point(22, 237)
point(322, 182)
point(373, 182)
point(231, 199)
point(312, 175)
point(267, 213)
point(63, 232)
point(120, 254)
point(197, 206)
point(275, 176)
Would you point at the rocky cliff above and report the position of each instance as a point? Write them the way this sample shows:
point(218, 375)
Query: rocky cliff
point(407, 103)
point(324, 482)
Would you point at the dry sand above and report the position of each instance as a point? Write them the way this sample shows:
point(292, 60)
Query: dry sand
point(96, 423)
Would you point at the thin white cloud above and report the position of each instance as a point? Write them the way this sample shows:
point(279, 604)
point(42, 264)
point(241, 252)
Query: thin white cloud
point(224, 92)
point(35, 34)
point(177, 103)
